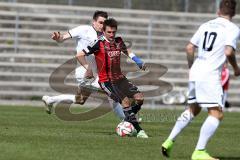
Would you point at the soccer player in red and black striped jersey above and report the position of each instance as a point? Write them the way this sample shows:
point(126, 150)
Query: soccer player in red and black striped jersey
point(84, 35)
point(107, 50)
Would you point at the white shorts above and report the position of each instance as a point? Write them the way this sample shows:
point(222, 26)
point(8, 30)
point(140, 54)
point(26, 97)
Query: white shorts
point(81, 80)
point(206, 94)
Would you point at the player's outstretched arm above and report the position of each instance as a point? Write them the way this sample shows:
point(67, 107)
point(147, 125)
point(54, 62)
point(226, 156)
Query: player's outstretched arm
point(58, 37)
point(190, 50)
point(230, 53)
point(136, 59)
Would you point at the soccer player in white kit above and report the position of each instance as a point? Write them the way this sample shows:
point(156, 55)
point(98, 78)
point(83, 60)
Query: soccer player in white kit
point(85, 35)
point(216, 41)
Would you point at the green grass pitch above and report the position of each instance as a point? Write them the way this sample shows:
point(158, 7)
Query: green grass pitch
point(28, 133)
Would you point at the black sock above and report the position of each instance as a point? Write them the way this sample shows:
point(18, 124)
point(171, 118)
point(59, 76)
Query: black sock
point(136, 126)
point(136, 108)
point(130, 117)
point(127, 111)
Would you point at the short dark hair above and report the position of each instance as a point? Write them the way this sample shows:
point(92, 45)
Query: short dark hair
point(99, 14)
point(228, 7)
point(111, 22)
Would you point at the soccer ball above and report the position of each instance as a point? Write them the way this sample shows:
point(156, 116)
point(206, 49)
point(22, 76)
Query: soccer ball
point(125, 129)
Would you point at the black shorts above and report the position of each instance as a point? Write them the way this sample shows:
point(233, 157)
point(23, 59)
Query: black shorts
point(120, 89)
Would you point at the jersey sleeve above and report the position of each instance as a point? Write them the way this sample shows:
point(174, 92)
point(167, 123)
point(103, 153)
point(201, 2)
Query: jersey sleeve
point(232, 37)
point(77, 32)
point(195, 40)
point(92, 48)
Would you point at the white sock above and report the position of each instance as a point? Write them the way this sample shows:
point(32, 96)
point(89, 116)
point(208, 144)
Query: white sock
point(182, 121)
point(68, 98)
point(207, 130)
point(117, 108)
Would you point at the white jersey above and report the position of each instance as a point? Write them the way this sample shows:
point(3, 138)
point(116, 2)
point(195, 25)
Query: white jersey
point(85, 35)
point(211, 39)
point(81, 80)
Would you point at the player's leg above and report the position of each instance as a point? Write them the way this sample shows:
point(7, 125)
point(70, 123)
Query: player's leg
point(115, 93)
point(183, 120)
point(126, 88)
point(108, 88)
point(130, 116)
point(67, 98)
point(50, 100)
point(82, 95)
point(79, 98)
point(136, 110)
point(212, 99)
point(83, 92)
point(224, 97)
point(117, 109)
point(226, 104)
point(209, 127)
point(139, 98)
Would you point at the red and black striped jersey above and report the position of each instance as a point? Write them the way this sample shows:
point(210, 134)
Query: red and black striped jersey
point(108, 57)
point(225, 78)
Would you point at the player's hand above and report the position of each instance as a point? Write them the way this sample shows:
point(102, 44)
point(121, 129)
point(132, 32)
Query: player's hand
point(56, 36)
point(237, 72)
point(89, 74)
point(144, 67)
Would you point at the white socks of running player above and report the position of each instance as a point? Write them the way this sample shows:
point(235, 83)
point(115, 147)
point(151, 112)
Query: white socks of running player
point(182, 121)
point(207, 130)
point(68, 98)
point(117, 108)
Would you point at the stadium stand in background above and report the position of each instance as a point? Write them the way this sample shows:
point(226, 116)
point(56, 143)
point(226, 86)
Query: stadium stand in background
point(28, 55)
point(200, 6)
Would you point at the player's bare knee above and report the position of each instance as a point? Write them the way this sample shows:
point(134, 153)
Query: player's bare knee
point(139, 102)
point(80, 101)
point(126, 102)
point(216, 112)
point(139, 98)
point(195, 109)
point(221, 116)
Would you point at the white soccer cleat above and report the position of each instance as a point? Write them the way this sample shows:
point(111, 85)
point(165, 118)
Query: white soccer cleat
point(48, 105)
point(142, 134)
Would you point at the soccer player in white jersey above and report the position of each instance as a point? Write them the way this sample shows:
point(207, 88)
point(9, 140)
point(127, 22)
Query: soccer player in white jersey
point(85, 35)
point(216, 41)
